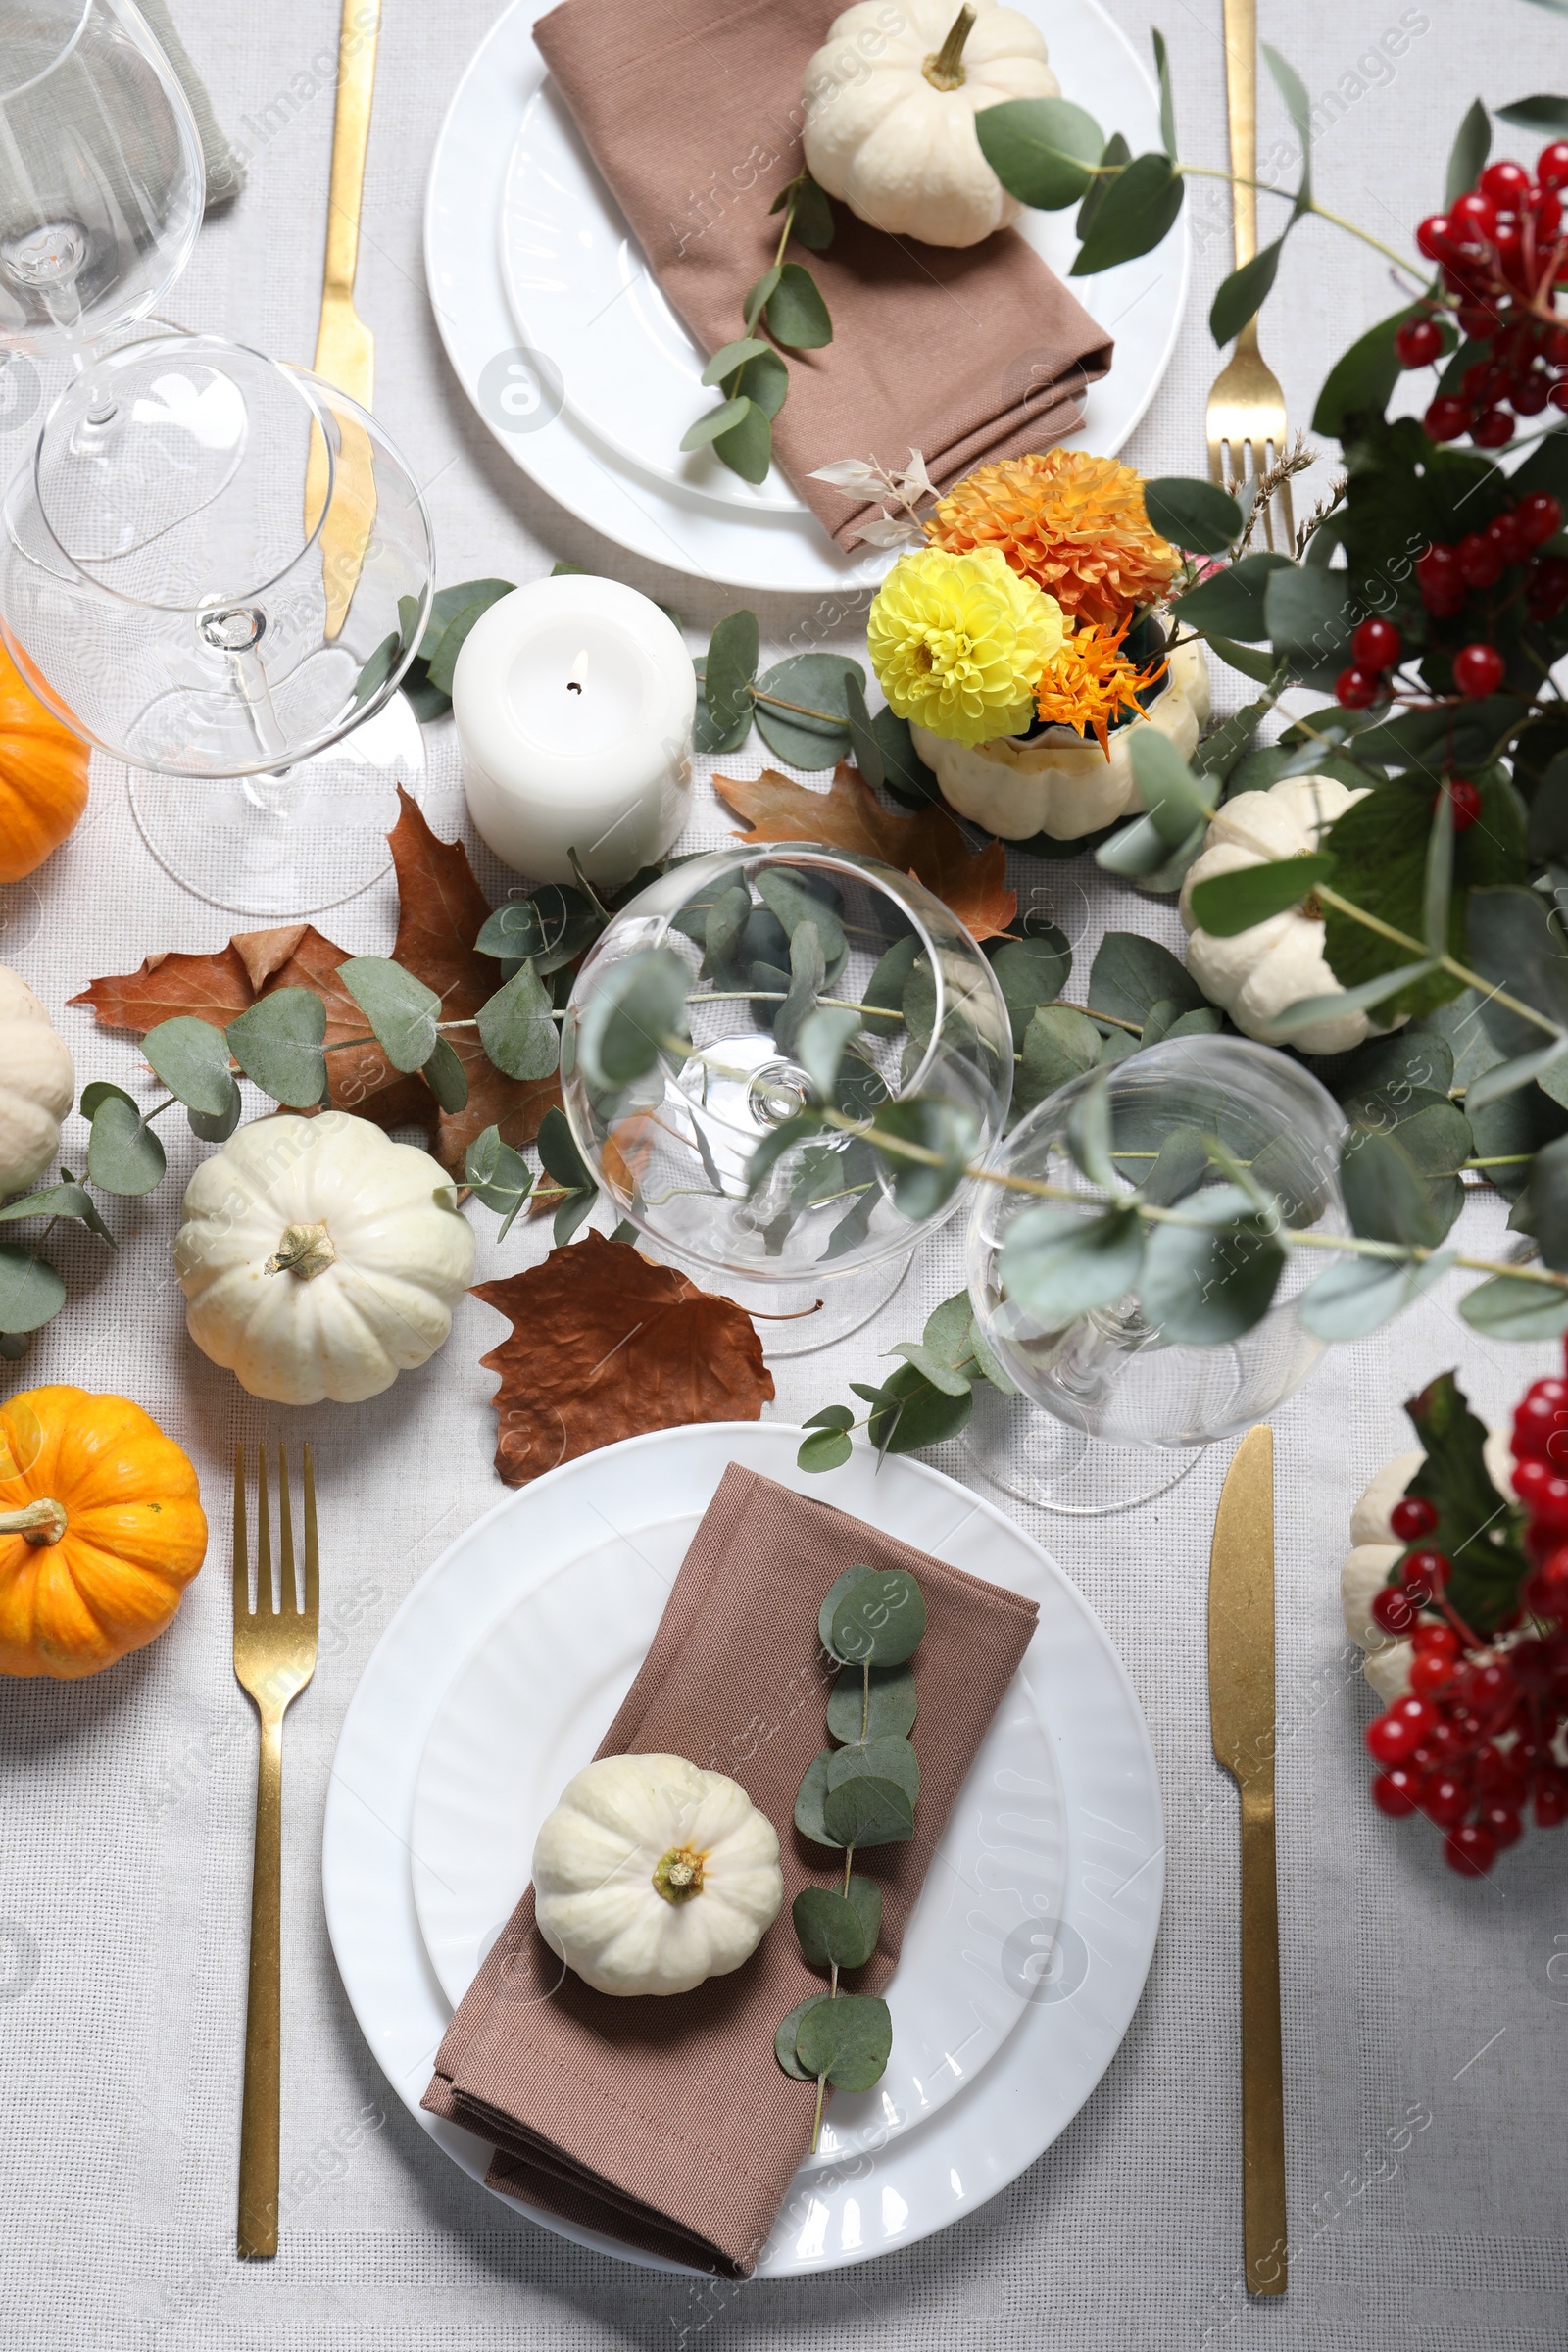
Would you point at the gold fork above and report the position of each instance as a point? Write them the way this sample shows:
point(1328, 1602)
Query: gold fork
point(274, 1657)
point(1246, 403)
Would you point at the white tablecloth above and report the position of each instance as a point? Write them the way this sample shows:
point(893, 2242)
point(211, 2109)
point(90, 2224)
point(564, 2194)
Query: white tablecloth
point(1424, 2038)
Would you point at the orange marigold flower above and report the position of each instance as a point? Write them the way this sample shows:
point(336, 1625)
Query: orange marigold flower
point(1091, 683)
point(1072, 523)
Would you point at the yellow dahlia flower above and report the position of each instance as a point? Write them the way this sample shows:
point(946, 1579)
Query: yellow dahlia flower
point(958, 643)
point(1073, 523)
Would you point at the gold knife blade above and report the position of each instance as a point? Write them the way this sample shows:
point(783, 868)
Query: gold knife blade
point(345, 347)
point(1242, 1713)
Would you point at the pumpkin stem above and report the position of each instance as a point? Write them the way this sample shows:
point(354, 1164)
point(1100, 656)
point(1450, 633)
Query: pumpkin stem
point(42, 1522)
point(945, 70)
point(304, 1252)
point(678, 1874)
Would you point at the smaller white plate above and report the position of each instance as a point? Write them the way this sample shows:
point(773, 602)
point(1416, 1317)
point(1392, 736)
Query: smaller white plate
point(530, 1709)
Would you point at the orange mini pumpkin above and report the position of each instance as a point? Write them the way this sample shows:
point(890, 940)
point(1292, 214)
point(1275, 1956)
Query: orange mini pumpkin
point(43, 777)
point(101, 1529)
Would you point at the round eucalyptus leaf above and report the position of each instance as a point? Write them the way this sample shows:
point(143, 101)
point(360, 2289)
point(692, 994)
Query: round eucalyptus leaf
point(879, 1620)
point(848, 2040)
point(844, 1582)
point(808, 1801)
point(816, 681)
point(400, 1010)
point(635, 1006)
point(30, 1291)
point(888, 1758)
point(191, 1057)
point(446, 1077)
point(876, 1704)
point(784, 2038)
point(277, 1043)
point(123, 1154)
point(516, 1029)
point(867, 1810)
point(835, 1930)
point(217, 1126)
point(824, 1449)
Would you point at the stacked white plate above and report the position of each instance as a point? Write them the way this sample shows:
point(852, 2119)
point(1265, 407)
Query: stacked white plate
point(496, 1679)
point(586, 377)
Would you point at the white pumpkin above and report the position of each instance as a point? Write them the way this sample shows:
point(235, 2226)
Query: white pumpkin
point(319, 1258)
point(651, 1875)
point(890, 102)
point(1057, 782)
point(1365, 1570)
point(1256, 973)
point(37, 1085)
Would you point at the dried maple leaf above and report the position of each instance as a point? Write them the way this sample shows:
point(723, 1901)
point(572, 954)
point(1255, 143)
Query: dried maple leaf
point(441, 911)
point(971, 883)
point(606, 1345)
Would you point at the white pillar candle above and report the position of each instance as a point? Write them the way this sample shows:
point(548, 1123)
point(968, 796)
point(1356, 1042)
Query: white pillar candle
point(573, 700)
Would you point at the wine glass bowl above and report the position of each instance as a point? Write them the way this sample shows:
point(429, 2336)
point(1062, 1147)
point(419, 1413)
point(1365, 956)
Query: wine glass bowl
point(1147, 1400)
point(674, 1147)
point(101, 173)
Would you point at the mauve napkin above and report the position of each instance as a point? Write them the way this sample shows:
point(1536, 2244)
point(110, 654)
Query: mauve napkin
point(670, 2123)
point(691, 110)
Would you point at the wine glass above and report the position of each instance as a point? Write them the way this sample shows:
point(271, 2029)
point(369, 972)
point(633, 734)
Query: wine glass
point(1127, 1409)
point(184, 586)
point(823, 1242)
point(101, 173)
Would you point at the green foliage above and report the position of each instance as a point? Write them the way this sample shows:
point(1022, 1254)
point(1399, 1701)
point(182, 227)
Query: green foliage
point(1193, 513)
point(1042, 150)
point(1481, 1533)
point(1380, 849)
point(279, 1044)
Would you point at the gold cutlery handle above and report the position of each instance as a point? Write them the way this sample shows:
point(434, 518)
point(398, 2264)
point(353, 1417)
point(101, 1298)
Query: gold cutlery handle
point(1263, 2223)
point(259, 2121)
point(1241, 98)
point(351, 136)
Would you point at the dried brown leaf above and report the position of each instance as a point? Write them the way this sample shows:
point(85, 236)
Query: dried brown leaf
point(606, 1345)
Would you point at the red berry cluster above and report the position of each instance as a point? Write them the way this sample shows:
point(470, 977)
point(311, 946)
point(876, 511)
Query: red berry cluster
point(1445, 576)
point(1375, 649)
point(1502, 250)
point(1480, 1732)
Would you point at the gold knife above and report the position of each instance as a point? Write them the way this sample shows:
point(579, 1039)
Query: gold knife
point(345, 347)
point(1241, 1703)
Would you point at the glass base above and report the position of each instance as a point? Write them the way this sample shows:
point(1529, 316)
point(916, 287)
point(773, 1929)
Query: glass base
point(796, 1318)
point(21, 918)
point(1033, 1457)
point(291, 843)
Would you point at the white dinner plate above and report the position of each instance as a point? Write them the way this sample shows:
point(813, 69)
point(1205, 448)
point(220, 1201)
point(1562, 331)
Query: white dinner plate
point(1082, 1973)
point(530, 1709)
point(586, 377)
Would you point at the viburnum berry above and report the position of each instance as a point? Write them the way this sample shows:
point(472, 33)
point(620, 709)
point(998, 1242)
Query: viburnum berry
point(1418, 343)
point(1547, 590)
point(1376, 644)
point(1540, 516)
point(1549, 1798)
point(1430, 1671)
point(1432, 1569)
point(1446, 418)
point(1507, 183)
point(1481, 560)
point(1392, 1608)
point(1507, 535)
point(1541, 1417)
point(1356, 688)
point(1503, 1822)
point(1492, 429)
point(1472, 217)
point(1529, 393)
point(1544, 1495)
point(1552, 166)
point(1394, 1737)
point(1498, 1774)
point(1466, 799)
point(1436, 238)
point(1432, 1635)
point(1470, 1849)
point(1395, 1792)
point(1411, 1517)
point(1545, 1593)
point(1444, 1798)
point(1478, 669)
point(1486, 1690)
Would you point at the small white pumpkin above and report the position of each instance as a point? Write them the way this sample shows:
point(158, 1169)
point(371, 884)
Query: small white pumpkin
point(319, 1258)
point(1057, 782)
point(1254, 974)
point(890, 102)
point(37, 1085)
point(651, 1875)
point(1365, 1570)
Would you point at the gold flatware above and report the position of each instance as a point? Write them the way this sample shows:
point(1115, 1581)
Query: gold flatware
point(1247, 401)
point(345, 347)
point(1241, 1703)
point(274, 1657)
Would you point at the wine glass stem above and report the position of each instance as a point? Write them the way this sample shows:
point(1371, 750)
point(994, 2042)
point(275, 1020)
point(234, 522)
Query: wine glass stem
point(251, 680)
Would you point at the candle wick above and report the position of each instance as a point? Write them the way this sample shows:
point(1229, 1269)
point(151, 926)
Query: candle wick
point(580, 670)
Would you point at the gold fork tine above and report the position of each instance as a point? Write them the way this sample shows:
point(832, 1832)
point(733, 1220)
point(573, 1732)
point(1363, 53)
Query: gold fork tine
point(242, 1569)
point(264, 1539)
point(285, 1539)
point(1246, 422)
point(311, 1593)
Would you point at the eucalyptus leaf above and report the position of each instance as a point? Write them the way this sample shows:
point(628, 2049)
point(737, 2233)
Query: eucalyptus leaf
point(865, 745)
point(868, 1811)
point(448, 602)
point(745, 446)
point(191, 1057)
point(886, 985)
point(733, 652)
point(559, 1155)
point(1383, 1191)
point(625, 1022)
point(920, 1191)
point(1042, 150)
point(796, 315)
point(820, 1042)
point(215, 1127)
point(1358, 1295)
point(1194, 513)
point(1174, 798)
point(784, 2038)
point(442, 661)
point(572, 1212)
point(277, 1043)
point(401, 1009)
point(1089, 1132)
point(758, 295)
point(941, 1376)
point(909, 1413)
point(1058, 1265)
point(808, 974)
point(847, 2040)
point(1131, 975)
point(905, 774)
point(1061, 1044)
point(498, 1175)
point(888, 1758)
point(836, 1930)
point(1030, 972)
point(1508, 1306)
point(1243, 294)
point(879, 1620)
point(808, 1801)
point(817, 682)
point(1208, 1281)
point(715, 422)
point(879, 1703)
point(790, 896)
point(68, 1199)
point(823, 1449)
point(731, 356)
point(1227, 903)
point(843, 1583)
point(1136, 213)
point(124, 1155)
point(516, 1029)
point(32, 1292)
point(550, 929)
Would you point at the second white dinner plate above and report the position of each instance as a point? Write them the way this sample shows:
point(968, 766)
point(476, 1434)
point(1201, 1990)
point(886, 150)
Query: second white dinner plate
point(1075, 1976)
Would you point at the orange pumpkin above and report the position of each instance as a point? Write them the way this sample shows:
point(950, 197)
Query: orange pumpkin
point(43, 777)
point(100, 1531)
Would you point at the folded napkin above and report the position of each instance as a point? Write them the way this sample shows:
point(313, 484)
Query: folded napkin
point(968, 355)
point(668, 2122)
point(224, 164)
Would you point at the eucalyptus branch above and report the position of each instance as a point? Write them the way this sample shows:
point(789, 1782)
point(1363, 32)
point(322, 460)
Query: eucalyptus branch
point(1321, 211)
point(1449, 963)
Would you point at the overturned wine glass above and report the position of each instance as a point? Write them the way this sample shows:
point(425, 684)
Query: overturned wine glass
point(727, 1041)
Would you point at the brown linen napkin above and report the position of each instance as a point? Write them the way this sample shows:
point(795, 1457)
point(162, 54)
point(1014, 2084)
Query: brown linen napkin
point(691, 110)
point(668, 2122)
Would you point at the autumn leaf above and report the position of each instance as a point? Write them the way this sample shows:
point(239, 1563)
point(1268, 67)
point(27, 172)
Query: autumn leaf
point(442, 910)
point(971, 883)
point(606, 1345)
